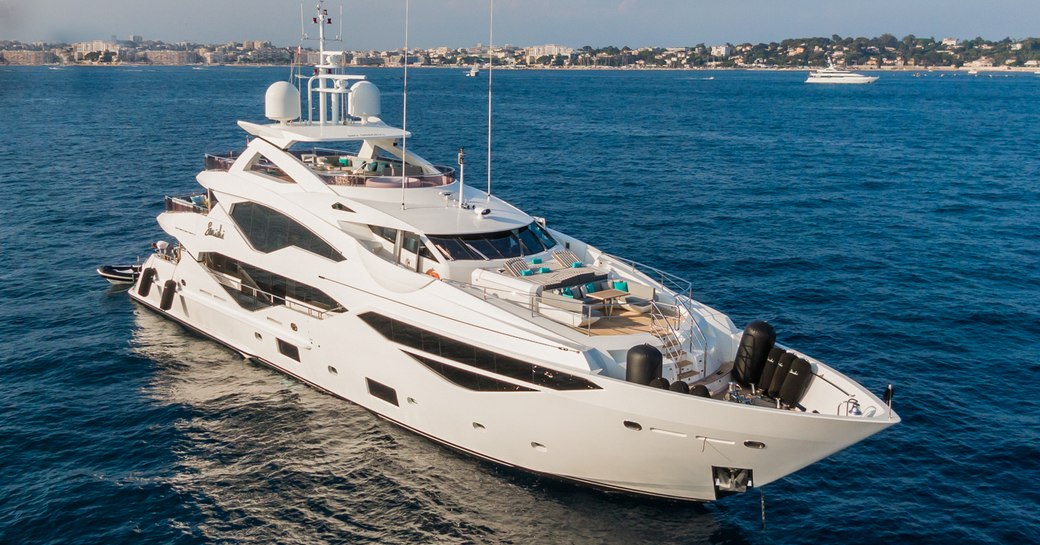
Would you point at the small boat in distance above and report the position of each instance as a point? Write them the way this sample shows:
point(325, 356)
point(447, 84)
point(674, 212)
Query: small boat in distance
point(473, 72)
point(838, 75)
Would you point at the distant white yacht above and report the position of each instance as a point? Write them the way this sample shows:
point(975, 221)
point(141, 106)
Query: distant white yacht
point(838, 75)
point(377, 276)
point(474, 71)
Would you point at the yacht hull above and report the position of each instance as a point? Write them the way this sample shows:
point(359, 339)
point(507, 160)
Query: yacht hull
point(621, 437)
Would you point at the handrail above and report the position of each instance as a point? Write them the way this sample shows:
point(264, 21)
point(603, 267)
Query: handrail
point(531, 303)
point(258, 293)
point(682, 292)
point(673, 282)
point(185, 204)
point(220, 162)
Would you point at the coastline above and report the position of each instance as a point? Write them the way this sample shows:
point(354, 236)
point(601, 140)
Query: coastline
point(860, 68)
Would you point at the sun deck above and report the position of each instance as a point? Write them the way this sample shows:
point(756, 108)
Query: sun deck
point(342, 168)
point(591, 299)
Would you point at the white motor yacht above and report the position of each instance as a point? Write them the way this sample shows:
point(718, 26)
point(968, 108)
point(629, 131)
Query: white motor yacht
point(838, 75)
point(474, 71)
point(328, 250)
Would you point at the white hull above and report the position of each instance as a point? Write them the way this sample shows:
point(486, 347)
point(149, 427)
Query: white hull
point(573, 435)
point(833, 75)
point(861, 80)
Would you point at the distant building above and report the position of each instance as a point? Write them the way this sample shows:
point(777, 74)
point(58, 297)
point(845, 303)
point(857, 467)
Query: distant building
point(82, 49)
point(547, 50)
point(723, 50)
point(136, 38)
point(28, 57)
point(213, 57)
point(368, 61)
point(169, 57)
point(951, 42)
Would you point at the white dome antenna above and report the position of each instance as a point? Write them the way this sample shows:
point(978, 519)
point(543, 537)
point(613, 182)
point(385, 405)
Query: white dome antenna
point(282, 102)
point(364, 101)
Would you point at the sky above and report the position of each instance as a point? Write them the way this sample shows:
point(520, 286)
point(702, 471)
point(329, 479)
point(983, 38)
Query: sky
point(379, 24)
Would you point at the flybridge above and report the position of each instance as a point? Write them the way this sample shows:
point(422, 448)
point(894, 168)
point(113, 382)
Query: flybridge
point(344, 111)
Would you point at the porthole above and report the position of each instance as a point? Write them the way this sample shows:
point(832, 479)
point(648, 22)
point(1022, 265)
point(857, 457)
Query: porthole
point(755, 444)
point(293, 327)
point(332, 370)
point(258, 336)
point(538, 446)
point(412, 401)
point(184, 282)
point(478, 426)
point(634, 426)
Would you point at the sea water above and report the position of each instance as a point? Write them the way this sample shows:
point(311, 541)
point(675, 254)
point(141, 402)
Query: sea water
point(891, 230)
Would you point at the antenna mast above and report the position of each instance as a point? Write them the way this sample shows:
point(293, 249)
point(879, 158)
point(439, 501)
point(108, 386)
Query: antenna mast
point(404, 115)
point(491, 64)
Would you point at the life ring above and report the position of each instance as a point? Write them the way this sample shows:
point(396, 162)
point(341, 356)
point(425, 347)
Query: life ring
point(433, 273)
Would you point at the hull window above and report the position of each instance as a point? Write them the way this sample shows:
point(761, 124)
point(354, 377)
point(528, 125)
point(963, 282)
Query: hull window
point(467, 354)
point(467, 379)
point(289, 350)
point(382, 391)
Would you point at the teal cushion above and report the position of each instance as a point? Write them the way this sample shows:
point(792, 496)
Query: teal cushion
point(621, 285)
point(344, 161)
point(526, 272)
point(566, 292)
point(590, 287)
point(536, 261)
point(544, 269)
point(576, 264)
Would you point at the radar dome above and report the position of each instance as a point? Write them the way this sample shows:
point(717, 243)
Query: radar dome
point(282, 102)
point(364, 100)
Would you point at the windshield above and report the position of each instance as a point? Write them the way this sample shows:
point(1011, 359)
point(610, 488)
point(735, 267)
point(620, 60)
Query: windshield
point(527, 240)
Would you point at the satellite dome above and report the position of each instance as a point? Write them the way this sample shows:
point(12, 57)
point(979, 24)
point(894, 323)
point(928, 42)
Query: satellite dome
point(282, 102)
point(364, 100)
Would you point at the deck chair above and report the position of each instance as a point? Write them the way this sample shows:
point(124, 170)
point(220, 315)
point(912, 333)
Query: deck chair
point(565, 258)
point(516, 266)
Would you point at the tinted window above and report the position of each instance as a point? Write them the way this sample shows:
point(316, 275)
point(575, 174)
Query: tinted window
point(506, 243)
point(467, 379)
point(268, 230)
point(288, 349)
point(453, 248)
point(382, 391)
point(527, 240)
point(531, 242)
point(543, 235)
point(385, 232)
point(463, 353)
point(482, 246)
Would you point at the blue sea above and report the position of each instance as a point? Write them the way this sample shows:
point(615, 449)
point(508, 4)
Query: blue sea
point(891, 230)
